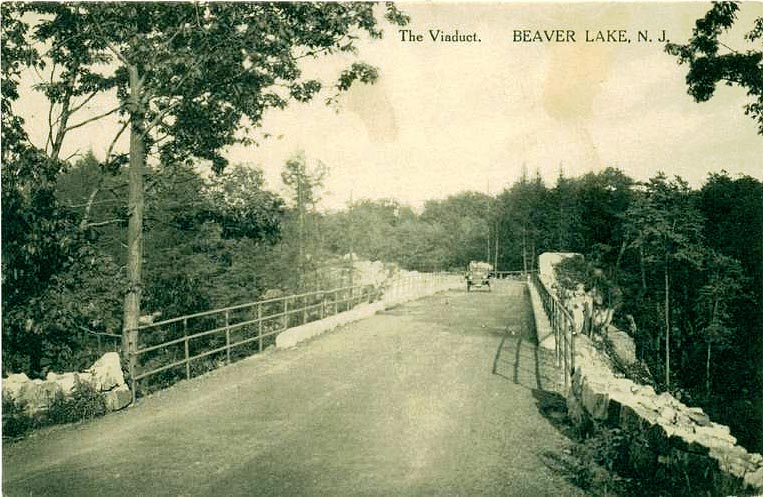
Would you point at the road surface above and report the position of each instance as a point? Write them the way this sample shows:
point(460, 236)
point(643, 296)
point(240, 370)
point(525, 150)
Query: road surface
point(439, 397)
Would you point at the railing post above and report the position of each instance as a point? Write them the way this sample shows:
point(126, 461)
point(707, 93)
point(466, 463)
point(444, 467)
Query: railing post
point(187, 355)
point(566, 364)
point(323, 305)
point(572, 353)
point(227, 336)
point(559, 331)
point(286, 313)
point(259, 324)
point(304, 309)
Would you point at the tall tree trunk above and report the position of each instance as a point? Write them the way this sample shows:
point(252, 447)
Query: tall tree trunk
point(488, 242)
point(301, 235)
point(495, 253)
point(616, 272)
point(709, 346)
point(135, 212)
point(560, 230)
point(643, 267)
point(524, 249)
point(667, 325)
point(707, 370)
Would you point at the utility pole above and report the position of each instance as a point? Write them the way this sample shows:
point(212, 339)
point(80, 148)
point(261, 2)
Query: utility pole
point(495, 253)
point(301, 221)
point(561, 246)
point(351, 236)
point(488, 221)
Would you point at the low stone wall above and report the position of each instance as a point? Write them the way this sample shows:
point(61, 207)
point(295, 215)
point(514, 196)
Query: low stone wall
point(105, 376)
point(668, 439)
point(293, 336)
point(543, 329)
point(667, 436)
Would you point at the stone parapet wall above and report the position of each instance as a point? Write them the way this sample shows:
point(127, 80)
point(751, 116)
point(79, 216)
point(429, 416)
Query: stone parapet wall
point(668, 439)
point(667, 436)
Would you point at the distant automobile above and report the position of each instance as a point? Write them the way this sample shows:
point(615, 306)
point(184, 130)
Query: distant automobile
point(478, 275)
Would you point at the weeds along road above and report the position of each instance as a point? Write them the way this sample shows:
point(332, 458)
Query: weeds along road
point(438, 397)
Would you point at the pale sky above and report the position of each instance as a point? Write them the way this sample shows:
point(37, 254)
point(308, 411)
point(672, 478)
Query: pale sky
point(448, 117)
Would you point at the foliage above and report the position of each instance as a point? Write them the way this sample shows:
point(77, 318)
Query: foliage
point(665, 228)
point(600, 461)
point(202, 67)
point(465, 221)
point(16, 55)
point(304, 186)
point(56, 286)
point(303, 182)
point(239, 203)
point(189, 80)
point(708, 66)
point(575, 272)
point(85, 402)
point(16, 422)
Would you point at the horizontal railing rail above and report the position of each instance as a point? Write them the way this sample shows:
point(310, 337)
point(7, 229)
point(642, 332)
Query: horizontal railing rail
point(232, 332)
point(501, 275)
point(563, 327)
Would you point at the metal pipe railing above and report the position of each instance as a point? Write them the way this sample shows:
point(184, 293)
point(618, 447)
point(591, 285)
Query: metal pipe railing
point(243, 324)
point(563, 326)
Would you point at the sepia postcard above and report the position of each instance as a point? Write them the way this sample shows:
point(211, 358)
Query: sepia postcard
point(382, 249)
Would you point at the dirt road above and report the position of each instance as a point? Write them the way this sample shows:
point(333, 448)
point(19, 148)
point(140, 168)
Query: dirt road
point(434, 398)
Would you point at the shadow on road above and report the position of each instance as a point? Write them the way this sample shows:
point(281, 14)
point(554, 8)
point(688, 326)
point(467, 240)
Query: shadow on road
point(522, 362)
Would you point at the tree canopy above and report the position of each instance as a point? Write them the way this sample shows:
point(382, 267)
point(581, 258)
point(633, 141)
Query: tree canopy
point(711, 61)
point(187, 81)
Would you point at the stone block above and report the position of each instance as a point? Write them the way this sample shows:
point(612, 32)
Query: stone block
point(37, 395)
point(755, 480)
point(630, 421)
point(622, 345)
point(107, 372)
point(715, 436)
point(118, 398)
point(648, 403)
point(643, 390)
point(595, 399)
point(685, 439)
point(66, 381)
point(668, 415)
point(13, 384)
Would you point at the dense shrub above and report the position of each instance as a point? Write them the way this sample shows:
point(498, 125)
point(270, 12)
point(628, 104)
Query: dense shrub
point(85, 402)
point(16, 422)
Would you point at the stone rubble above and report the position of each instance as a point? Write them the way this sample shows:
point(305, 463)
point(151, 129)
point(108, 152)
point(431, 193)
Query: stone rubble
point(105, 375)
